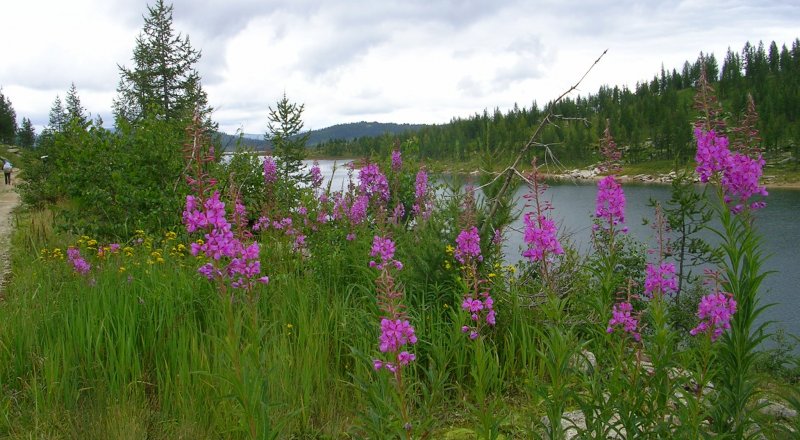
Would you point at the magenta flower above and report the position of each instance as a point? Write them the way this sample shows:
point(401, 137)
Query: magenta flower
point(358, 211)
point(270, 170)
point(397, 161)
point(472, 305)
point(541, 237)
point(316, 175)
point(712, 153)
point(468, 246)
point(404, 357)
point(660, 279)
point(740, 181)
point(715, 312)
point(383, 248)
point(621, 317)
point(395, 334)
point(373, 182)
point(79, 265)
point(610, 201)
point(740, 173)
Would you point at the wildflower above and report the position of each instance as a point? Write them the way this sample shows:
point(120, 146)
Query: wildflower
point(373, 182)
point(316, 175)
point(739, 172)
point(541, 237)
point(660, 279)
point(270, 170)
point(170, 235)
point(610, 201)
point(715, 312)
point(395, 334)
point(712, 153)
point(422, 206)
point(383, 248)
point(78, 263)
point(397, 161)
point(468, 246)
point(621, 317)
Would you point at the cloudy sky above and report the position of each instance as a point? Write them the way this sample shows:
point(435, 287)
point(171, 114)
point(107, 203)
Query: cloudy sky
point(416, 61)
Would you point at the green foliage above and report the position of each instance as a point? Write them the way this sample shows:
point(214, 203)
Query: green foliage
point(26, 136)
point(163, 81)
point(8, 120)
point(109, 184)
point(285, 123)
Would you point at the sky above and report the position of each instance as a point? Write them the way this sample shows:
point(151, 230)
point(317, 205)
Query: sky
point(409, 61)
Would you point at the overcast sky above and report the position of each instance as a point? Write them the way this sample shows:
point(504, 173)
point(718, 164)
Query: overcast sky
point(415, 61)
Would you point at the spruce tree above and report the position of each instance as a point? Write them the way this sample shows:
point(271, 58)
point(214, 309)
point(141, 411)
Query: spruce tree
point(163, 81)
point(75, 110)
point(283, 131)
point(26, 136)
point(58, 117)
point(8, 120)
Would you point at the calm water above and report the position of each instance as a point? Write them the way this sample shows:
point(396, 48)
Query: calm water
point(573, 203)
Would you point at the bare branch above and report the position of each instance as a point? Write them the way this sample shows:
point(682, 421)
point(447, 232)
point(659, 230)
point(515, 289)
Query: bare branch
point(510, 171)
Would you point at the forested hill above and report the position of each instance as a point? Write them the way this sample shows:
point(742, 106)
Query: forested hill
point(651, 121)
point(341, 132)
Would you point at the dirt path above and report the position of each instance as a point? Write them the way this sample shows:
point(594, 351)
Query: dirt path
point(9, 199)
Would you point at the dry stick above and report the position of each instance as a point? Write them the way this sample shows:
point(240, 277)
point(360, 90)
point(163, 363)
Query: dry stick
point(511, 171)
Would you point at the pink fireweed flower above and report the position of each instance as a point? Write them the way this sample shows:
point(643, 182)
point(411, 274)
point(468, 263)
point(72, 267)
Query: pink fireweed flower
point(397, 161)
point(610, 202)
point(316, 175)
point(712, 153)
point(79, 265)
point(395, 334)
point(404, 357)
point(383, 248)
point(541, 235)
point(660, 279)
point(472, 305)
point(740, 181)
point(715, 312)
point(739, 173)
point(358, 211)
point(468, 246)
point(373, 182)
point(621, 317)
point(270, 170)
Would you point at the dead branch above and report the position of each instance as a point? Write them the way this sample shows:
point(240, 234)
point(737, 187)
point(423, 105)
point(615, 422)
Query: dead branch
point(511, 171)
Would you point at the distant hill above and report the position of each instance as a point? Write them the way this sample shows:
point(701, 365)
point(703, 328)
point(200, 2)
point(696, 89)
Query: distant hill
point(350, 131)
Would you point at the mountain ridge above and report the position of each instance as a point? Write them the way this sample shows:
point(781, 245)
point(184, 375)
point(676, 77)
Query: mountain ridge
point(345, 131)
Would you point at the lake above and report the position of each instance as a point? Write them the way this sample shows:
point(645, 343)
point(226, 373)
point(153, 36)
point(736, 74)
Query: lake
point(573, 207)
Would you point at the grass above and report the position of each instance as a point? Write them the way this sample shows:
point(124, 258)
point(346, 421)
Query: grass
point(143, 346)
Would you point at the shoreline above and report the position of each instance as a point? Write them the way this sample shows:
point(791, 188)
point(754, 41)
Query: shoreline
point(657, 179)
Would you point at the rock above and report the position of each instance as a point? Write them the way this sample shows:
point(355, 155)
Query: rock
point(569, 422)
point(777, 410)
point(585, 362)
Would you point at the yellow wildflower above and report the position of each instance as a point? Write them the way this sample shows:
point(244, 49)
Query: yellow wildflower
point(449, 249)
point(91, 242)
point(170, 235)
point(121, 269)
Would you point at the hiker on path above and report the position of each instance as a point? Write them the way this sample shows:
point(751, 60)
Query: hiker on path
point(7, 172)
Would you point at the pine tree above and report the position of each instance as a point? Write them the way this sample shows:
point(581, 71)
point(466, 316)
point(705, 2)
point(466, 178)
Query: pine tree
point(8, 120)
point(26, 136)
point(74, 109)
point(283, 130)
point(58, 117)
point(163, 81)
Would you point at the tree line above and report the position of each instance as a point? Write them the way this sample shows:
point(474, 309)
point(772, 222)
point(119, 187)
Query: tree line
point(110, 182)
point(652, 121)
